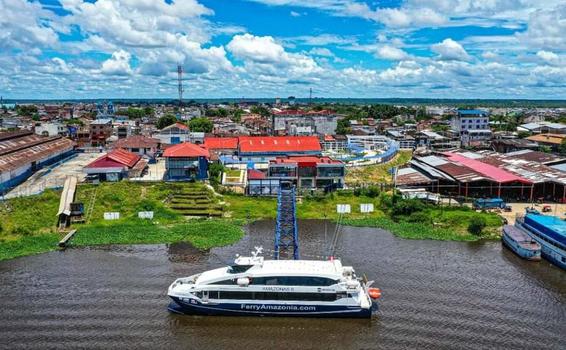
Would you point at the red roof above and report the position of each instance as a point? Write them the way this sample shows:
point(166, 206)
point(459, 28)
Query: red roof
point(137, 141)
point(221, 142)
point(177, 125)
point(115, 159)
point(279, 144)
point(256, 175)
point(490, 171)
point(301, 112)
point(305, 160)
point(186, 149)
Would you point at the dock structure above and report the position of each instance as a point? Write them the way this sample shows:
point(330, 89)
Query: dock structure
point(63, 243)
point(67, 197)
point(286, 232)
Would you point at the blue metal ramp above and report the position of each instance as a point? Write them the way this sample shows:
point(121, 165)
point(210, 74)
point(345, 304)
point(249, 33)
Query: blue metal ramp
point(286, 233)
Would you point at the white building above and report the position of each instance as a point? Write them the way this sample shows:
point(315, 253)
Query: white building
point(178, 133)
point(51, 129)
point(472, 126)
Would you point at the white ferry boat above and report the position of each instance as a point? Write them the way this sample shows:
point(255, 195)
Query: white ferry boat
point(257, 287)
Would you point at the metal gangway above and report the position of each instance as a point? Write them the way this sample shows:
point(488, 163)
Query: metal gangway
point(286, 232)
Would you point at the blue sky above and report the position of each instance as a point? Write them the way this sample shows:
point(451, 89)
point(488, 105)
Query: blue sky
point(270, 48)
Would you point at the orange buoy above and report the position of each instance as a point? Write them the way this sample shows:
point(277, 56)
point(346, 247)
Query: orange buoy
point(374, 293)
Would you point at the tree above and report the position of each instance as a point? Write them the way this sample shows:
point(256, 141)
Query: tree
point(201, 124)
point(166, 120)
point(476, 225)
point(343, 127)
point(237, 115)
point(149, 111)
point(562, 147)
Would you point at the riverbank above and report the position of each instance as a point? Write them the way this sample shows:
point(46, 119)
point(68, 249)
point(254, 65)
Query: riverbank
point(28, 224)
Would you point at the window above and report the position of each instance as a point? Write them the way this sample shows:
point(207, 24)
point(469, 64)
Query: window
point(232, 281)
point(271, 296)
point(294, 281)
point(239, 268)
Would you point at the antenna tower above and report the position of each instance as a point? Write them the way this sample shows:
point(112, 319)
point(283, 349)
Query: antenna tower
point(180, 83)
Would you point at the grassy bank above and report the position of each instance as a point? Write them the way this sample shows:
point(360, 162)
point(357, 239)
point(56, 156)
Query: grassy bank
point(28, 225)
point(378, 173)
point(203, 233)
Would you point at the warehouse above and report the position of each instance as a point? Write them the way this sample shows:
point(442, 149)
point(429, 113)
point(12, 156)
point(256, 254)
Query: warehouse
point(22, 153)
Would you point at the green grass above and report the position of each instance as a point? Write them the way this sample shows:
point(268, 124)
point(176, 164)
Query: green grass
point(378, 173)
point(203, 234)
point(449, 224)
point(28, 245)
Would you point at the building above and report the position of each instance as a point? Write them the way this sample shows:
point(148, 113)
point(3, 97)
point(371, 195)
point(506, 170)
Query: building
point(302, 123)
point(99, 131)
point(178, 133)
point(51, 129)
point(221, 145)
point(512, 145)
point(550, 140)
point(22, 153)
point(308, 171)
point(405, 141)
point(140, 145)
point(472, 126)
point(543, 127)
point(369, 142)
point(305, 172)
point(334, 143)
point(117, 165)
point(266, 148)
point(186, 161)
point(516, 176)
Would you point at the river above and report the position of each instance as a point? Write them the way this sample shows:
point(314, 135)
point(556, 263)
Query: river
point(436, 295)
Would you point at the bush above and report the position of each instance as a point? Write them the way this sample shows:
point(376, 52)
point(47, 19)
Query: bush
point(420, 217)
point(21, 231)
point(407, 207)
point(372, 191)
point(476, 225)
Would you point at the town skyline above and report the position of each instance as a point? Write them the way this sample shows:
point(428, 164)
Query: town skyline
point(268, 48)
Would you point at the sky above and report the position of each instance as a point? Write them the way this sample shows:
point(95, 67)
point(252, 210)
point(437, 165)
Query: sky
point(63, 49)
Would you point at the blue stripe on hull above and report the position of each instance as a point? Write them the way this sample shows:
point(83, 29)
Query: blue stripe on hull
point(225, 309)
point(547, 254)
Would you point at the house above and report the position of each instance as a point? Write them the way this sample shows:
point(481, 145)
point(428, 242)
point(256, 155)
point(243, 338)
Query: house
point(186, 161)
point(140, 145)
point(308, 171)
point(543, 127)
point(99, 131)
point(334, 143)
point(51, 129)
point(178, 133)
point(117, 165)
point(551, 140)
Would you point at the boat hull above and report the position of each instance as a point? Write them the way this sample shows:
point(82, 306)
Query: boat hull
point(194, 307)
point(528, 254)
point(550, 253)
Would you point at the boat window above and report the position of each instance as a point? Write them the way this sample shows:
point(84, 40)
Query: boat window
point(273, 296)
point(294, 281)
point(239, 268)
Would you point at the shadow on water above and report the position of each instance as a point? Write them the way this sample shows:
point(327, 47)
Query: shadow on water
point(437, 295)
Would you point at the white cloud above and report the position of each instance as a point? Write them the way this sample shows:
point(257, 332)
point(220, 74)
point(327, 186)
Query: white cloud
point(321, 51)
point(389, 52)
point(546, 29)
point(550, 58)
point(450, 50)
point(25, 25)
point(118, 64)
point(295, 14)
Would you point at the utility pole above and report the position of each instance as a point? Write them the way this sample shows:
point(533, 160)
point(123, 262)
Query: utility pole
point(310, 96)
point(180, 83)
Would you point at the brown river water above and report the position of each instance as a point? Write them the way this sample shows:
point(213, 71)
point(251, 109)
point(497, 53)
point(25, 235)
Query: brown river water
point(436, 295)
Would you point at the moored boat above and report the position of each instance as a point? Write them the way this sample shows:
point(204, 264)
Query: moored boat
point(253, 286)
point(550, 233)
point(520, 243)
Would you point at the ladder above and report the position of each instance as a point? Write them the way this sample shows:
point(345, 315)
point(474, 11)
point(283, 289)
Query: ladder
point(90, 208)
point(286, 233)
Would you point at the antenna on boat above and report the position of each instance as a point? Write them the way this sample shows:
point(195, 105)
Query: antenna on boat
point(258, 251)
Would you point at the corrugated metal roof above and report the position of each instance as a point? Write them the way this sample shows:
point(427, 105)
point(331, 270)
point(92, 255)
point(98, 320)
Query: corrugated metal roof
point(487, 170)
point(186, 149)
point(279, 144)
point(221, 142)
point(27, 154)
point(116, 158)
point(410, 176)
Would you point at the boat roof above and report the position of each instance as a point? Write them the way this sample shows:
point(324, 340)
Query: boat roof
point(517, 234)
point(553, 223)
point(316, 268)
